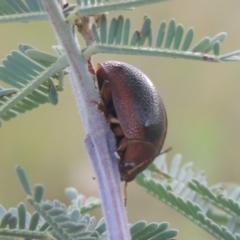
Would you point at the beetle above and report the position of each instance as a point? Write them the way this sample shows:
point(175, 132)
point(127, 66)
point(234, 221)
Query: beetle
point(136, 115)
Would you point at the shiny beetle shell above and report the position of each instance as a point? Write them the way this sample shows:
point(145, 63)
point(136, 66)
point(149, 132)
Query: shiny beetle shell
point(136, 114)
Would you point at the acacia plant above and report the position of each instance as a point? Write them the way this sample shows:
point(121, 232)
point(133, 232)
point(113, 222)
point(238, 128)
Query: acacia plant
point(35, 77)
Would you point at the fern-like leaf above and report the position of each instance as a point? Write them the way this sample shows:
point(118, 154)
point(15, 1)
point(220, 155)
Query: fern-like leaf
point(228, 202)
point(80, 202)
point(17, 222)
point(21, 11)
point(30, 74)
point(33, 10)
point(152, 231)
point(53, 220)
point(170, 41)
point(186, 190)
point(93, 7)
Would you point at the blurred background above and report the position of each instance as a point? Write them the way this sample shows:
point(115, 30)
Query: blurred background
point(202, 101)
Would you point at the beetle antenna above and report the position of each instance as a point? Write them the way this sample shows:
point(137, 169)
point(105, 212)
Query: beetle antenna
point(125, 193)
point(167, 150)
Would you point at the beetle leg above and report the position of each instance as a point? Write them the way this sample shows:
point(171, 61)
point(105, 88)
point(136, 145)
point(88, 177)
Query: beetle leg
point(101, 107)
point(112, 119)
point(122, 145)
point(118, 131)
point(117, 155)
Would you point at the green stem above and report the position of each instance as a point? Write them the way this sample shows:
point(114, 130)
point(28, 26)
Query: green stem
point(100, 142)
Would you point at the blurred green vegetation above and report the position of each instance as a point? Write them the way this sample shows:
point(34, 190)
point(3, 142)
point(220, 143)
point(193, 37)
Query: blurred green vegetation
point(201, 99)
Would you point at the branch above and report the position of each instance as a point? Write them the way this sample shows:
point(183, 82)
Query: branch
point(100, 141)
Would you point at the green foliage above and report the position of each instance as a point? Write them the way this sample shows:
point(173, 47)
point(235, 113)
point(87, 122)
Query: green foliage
point(33, 10)
point(21, 11)
point(141, 231)
point(93, 7)
point(79, 201)
point(35, 78)
point(31, 73)
point(212, 208)
point(53, 220)
point(170, 41)
point(215, 209)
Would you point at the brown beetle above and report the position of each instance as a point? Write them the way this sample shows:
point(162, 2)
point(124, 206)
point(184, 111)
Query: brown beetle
point(136, 115)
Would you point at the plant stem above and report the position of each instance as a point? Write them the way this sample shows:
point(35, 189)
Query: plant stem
point(100, 141)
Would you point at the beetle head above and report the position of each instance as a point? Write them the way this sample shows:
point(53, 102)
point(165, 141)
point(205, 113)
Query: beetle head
point(136, 158)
